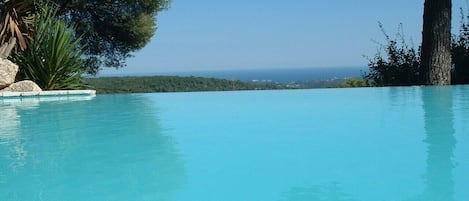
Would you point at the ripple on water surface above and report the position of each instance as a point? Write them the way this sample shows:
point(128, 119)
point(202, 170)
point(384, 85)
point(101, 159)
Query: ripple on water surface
point(368, 144)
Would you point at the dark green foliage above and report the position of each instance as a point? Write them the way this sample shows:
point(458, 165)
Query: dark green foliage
point(460, 53)
point(402, 63)
point(313, 84)
point(169, 84)
point(53, 58)
point(400, 66)
point(152, 84)
point(111, 30)
point(354, 82)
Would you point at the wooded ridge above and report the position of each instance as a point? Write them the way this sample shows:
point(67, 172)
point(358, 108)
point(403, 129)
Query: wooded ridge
point(152, 84)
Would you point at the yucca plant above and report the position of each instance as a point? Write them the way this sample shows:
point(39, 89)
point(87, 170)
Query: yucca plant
point(54, 58)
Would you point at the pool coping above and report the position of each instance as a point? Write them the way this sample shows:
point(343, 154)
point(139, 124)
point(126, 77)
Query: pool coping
point(7, 94)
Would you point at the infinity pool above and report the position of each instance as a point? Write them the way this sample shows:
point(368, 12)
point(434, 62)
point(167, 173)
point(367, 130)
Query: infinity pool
point(366, 144)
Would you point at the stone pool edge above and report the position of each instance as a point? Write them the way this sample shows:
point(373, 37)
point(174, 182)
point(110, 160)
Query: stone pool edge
point(47, 93)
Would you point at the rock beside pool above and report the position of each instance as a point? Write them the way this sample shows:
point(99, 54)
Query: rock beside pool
point(23, 86)
point(8, 71)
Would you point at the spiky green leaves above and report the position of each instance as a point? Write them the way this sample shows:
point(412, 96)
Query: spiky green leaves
point(54, 58)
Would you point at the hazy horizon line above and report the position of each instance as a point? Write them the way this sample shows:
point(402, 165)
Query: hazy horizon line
point(195, 70)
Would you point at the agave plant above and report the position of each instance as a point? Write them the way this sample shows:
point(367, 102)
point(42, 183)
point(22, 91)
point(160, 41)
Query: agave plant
point(54, 57)
point(17, 18)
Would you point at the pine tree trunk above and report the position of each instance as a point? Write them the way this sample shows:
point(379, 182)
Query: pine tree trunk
point(436, 42)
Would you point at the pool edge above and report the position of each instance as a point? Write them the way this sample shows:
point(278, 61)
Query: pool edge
point(47, 93)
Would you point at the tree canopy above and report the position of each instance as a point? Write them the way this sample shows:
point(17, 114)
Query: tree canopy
point(111, 30)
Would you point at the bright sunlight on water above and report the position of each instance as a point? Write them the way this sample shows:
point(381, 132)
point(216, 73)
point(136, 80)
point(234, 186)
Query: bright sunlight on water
point(365, 144)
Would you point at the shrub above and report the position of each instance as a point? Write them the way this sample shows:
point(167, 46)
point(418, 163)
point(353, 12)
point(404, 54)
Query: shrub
point(460, 53)
point(354, 82)
point(400, 66)
point(53, 58)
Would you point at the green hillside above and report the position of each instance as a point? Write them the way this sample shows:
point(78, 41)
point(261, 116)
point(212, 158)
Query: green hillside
point(152, 84)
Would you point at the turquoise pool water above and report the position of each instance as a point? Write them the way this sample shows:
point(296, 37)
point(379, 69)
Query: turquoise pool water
point(368, 144)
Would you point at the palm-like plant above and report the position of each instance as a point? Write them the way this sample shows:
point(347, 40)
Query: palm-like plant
point(17, 18)
point(53, 58)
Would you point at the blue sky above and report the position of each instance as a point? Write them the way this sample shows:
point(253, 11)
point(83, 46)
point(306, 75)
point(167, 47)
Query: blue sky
point(264, 34)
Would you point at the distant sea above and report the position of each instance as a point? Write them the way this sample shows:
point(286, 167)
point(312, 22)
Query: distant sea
point(286, 75)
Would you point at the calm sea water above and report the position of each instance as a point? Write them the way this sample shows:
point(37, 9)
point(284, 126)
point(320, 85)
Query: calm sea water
point(368, 144)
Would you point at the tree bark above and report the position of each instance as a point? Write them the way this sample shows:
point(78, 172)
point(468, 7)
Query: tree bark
point(436, 42)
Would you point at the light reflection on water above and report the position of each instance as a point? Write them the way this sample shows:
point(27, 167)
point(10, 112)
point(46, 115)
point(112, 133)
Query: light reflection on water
point(405, 143)
point(70, 155)
point(440, 140)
